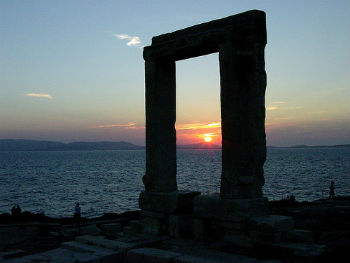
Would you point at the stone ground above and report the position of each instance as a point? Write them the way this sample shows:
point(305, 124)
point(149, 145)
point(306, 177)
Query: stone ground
point(109, 239)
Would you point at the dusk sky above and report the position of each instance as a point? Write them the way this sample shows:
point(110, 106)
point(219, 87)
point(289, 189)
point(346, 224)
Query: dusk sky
point(74, 71)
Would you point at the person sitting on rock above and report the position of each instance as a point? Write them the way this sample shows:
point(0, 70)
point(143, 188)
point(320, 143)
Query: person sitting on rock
point(331, 191)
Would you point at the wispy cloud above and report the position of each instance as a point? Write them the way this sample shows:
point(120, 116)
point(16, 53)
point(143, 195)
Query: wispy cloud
point(132, 41)
point(210, 134)
point(271, 108)
point(39, 95)
point(197, 126)
point(129, 125)
point(294, 108)
point(282, 107)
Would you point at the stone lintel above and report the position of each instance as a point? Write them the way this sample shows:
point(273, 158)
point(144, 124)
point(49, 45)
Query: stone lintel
point(234, 210)
point(180, 202)
point(242, 29)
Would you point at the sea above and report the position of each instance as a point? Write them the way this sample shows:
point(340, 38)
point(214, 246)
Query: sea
point(51, 182)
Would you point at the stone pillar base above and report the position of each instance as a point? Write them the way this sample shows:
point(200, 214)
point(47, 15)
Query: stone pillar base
point(167, 213)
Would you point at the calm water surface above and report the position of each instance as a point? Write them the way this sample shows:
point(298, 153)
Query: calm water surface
point(110, 181)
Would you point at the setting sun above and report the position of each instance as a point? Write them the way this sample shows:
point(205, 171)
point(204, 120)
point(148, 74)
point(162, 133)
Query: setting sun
point(207, 139)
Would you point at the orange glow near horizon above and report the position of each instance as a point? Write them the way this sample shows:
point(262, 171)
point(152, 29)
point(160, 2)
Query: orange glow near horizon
point(197, 126)
point(198, 132)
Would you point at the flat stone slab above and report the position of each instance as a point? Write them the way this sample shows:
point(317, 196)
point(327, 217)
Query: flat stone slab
point(57, 255)
point(60, 255)
point(73, 252)
point(167, 202)
point(143, 238)
point(303, 250)
point(122, 244)
point(151, 255)
point(100, 241)
point(17, 260)
point(38, 257)
point(111, 227)
point(198, 259)
point(192, 251)
point(90, 230)
point(272, 223)
point(298, 235)
point(68, 231)
point(81, 247)
point(11, 253)
point(238, 241)
point(213, 207)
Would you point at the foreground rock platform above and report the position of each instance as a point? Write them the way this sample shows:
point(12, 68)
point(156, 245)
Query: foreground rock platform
point(148, 248)
point(321, 234)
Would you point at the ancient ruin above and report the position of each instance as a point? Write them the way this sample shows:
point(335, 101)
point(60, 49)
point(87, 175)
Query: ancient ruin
point(240, 41)
point(236, 219)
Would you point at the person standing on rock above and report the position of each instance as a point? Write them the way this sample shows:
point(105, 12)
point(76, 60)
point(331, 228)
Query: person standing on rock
point(331, 191)
point(77, 212)
point(16, 211)
point(77, 216)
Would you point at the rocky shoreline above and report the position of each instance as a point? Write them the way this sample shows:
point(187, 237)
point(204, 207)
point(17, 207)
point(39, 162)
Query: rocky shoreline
point(33, 233)
point(325, 222)
point(328, 220)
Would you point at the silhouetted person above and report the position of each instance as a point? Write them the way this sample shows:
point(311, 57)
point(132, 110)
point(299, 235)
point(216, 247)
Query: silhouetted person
point(16, 211)
point(19, 210)
point(77, 212)
point(331, 191)
point(13, 210)
point(292, 198)
point(77, 216)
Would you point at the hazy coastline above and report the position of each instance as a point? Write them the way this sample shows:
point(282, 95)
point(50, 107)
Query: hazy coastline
point(38, 145)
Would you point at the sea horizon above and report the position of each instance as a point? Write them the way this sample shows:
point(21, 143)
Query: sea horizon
point(111, 180)
point(203, 145)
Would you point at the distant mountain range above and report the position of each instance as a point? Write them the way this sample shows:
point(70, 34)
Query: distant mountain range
point(33, 145)
point(321, 146)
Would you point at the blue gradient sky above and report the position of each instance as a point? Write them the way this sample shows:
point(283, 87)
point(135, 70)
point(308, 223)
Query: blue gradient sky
point(73, 52)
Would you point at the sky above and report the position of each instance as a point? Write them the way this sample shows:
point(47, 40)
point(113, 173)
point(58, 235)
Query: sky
point(74, 71)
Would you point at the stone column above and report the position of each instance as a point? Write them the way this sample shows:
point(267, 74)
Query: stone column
point(160, 126)
point(243, 84)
